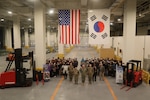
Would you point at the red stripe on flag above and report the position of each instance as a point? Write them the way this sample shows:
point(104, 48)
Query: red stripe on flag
point(66, 35)
point(72, 24)
point(69, 35)
point(75, 31)
point(74, 28)
point(78, 26)
point(62, 36)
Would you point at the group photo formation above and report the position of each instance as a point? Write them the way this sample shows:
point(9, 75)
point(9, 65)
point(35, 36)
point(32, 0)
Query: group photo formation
point(87, 69)
point(74, 49)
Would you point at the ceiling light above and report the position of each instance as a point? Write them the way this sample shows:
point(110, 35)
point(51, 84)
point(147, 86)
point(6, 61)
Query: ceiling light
point(48, 26)
point(119, 19)
point(140, 14)
point(2, 19)
point(9, 12)
point(111, 23)
point(51, 11)
point(29, 19)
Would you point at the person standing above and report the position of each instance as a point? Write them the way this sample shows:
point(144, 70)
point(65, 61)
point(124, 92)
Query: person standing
point(102, 71)
point(70, 69)
point(83, 72)
point(90, 73)
point(95, 73)
point(76, 75)
point(75, 63)
point(65, 70)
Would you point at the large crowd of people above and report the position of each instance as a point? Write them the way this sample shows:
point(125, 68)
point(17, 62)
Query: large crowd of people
point(71, 68)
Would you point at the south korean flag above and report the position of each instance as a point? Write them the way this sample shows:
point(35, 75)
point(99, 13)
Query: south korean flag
point(99, 26)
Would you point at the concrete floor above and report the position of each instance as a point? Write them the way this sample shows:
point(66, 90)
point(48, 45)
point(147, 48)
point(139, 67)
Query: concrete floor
point(65, 90)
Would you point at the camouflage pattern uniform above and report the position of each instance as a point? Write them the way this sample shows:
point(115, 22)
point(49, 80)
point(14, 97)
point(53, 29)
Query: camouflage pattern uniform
point(90, 72)
point(83, 72)
point(76, 75)
point(70, 69)
point(102, 71)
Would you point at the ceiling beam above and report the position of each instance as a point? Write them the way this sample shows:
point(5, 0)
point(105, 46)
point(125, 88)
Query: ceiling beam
point(116, 5)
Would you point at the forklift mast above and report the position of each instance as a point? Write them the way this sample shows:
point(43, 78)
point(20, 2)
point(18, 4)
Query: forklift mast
point(137, 63)
point(20, 71)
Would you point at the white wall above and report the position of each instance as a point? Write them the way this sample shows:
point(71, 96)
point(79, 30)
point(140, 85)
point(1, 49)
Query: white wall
point(147, 46)
point(139, 45)
point(118, 44)
point(141, 42)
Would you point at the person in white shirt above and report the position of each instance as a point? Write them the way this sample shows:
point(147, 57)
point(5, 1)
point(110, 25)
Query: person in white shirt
point(65, 70)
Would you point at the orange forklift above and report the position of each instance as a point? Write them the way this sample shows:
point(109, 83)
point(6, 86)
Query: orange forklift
point(132, 74)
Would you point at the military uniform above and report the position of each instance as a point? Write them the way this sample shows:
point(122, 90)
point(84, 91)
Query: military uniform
point(102, 71)
point(83, 72)
point(70, 69)
point(94, 73)
point(76, 75)
point(90, 73)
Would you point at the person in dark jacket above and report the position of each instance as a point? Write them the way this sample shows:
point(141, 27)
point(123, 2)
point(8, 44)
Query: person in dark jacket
point(95, 73)
point(75, 63)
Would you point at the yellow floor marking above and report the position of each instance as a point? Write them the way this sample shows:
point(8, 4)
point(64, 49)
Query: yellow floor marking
point(56, 89)
point(110, 89)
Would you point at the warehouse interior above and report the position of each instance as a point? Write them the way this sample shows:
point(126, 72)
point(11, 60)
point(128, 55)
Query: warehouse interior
point(58, 88)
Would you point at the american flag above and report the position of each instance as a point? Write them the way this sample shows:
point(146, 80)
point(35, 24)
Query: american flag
point(69, 22)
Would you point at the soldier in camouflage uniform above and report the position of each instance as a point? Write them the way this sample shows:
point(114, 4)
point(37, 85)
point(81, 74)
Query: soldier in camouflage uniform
point(83, 72)
point(76, 75)
point(102, 71)
point(70, 69)
point(90, 72)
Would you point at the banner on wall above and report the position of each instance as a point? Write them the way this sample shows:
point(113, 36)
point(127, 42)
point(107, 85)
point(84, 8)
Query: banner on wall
point(99, 26)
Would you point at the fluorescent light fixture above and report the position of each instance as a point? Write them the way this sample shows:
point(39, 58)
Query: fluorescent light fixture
point(9, 12)
point(51, 11)
point(140, 14)
point(29, 19)
point(2, 19)
point(111, 23)
point(48, 26)
point(119, 19)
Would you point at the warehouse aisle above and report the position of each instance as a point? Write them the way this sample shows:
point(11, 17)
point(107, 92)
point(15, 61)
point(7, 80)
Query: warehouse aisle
point(94, 91)
point(99, 90)
point(60, 89)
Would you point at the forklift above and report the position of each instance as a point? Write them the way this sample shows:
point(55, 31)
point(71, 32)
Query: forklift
point(132, 74)
point(18, 75)
point(137, 72)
